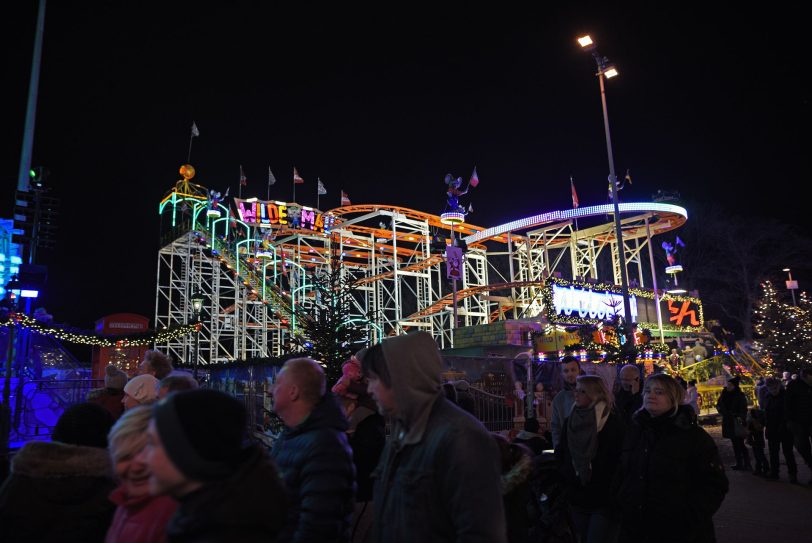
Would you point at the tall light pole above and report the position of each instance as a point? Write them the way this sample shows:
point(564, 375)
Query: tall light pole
point(197, 306)
point(608, 71)
point(791, 285)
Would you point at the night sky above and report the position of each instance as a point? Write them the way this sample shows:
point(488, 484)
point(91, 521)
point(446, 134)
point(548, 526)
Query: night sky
point(382, 103)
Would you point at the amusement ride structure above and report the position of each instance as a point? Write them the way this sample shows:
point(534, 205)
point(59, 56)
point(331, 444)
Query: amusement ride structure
point(253, 262)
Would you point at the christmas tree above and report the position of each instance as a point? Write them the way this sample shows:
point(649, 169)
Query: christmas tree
point(784, 330)
point(326, 331)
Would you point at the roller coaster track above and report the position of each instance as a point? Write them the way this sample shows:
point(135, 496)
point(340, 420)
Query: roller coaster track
point(447, 300)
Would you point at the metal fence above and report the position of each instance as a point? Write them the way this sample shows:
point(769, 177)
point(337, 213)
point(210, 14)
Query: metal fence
point(493, 410)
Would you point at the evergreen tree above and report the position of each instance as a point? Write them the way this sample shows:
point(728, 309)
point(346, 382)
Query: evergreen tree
point(784, 331)
point(325, 332)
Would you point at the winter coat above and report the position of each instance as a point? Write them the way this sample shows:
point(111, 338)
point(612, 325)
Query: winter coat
point(562, 405)
point(445, 488)
point(439, 475)
point(597, 493)
point(515, 497)
point(140, 520)
point(247, 507)
point(626, 404)
point(366, 441)
point(57, 492)
point(315, 461)
point(799, 403)
point(669, 466)
point(731, 405)
point(775, 417)
point(110, 399)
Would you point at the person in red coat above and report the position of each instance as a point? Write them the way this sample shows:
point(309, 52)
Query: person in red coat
point(139, 517)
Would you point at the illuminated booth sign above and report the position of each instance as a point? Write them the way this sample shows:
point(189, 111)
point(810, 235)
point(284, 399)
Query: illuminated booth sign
point(578, 303)
point(590, 304)
point(279, 214)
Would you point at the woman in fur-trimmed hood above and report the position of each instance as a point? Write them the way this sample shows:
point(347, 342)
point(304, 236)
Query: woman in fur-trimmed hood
point(58, 491)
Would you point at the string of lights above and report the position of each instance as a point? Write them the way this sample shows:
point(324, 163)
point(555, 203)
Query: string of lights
point(88, 338)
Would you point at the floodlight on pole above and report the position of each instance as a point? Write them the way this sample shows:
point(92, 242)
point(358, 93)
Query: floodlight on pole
point(792, 286)
point(607, 70)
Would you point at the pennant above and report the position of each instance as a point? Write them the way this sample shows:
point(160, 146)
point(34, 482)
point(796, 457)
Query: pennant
point(243, 179)
point(474, 181)
point(271, 178)
point(345, 200)
point(227, 191)
point(297, 179)
point(574, 194)
point(321, 190)
point(195, 131)
point(470, 207)
point(628, 176)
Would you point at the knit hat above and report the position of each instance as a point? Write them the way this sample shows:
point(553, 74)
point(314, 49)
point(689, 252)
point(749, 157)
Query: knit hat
point(85, 424)
point(202, 432)
point(142, 388)
point(114, 377)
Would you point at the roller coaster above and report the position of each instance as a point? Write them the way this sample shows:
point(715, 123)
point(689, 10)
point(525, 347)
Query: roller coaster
point(254, 261)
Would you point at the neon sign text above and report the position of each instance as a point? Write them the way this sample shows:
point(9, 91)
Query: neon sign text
point(280, 214)
point(590, 304)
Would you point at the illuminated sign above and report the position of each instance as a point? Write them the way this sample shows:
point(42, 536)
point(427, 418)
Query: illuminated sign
point(279, 214)
point(683, 313)
point(590, 304)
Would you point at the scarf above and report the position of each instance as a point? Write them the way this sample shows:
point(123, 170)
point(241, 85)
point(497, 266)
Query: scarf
point(583, 426)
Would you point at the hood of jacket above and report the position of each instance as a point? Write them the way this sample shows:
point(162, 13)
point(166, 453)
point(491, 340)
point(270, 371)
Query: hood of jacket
point(326, 414)
point(414, 364)
point(42, 459)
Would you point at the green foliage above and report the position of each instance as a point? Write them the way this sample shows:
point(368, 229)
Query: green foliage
point(325, 332)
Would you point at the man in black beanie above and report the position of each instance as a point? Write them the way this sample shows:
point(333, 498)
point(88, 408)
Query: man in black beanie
point(195, 452)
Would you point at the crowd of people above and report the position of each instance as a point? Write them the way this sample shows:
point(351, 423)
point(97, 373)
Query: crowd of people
point(155, 458)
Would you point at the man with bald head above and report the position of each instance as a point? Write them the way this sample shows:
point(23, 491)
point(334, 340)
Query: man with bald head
point(629, 397)
point(313, 455)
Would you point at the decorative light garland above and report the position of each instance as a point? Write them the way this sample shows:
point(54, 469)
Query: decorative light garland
point(547, 301)
point(94, 340)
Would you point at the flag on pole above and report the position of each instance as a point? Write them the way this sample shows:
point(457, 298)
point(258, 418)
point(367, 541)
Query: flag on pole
point(243, 179)
point(271, 178)
point(297, 179)
point(474, 181)
point(574, 194)
point(321, 190)
point(345, 200)
point(195, 131)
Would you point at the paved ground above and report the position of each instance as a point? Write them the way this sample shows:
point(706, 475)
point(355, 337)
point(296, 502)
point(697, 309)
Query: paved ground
point(758, 509)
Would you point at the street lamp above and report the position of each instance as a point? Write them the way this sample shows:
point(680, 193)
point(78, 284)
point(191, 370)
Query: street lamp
point(792, 286)
point(197, 306)
point(607, 71)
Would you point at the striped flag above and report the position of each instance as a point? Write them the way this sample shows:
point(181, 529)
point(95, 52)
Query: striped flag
point(574, 194)
point(320, 190)
point(474, 181)
point(297, 179)
point(345, 200)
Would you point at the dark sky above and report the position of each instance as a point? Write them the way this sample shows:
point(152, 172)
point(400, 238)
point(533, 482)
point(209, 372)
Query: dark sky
point(382, 103)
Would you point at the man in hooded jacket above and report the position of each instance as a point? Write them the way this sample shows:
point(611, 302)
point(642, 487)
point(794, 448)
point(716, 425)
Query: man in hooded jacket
point(439, 475)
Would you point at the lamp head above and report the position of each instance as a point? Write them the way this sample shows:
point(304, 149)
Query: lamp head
point(586, 43)
point(610, 71)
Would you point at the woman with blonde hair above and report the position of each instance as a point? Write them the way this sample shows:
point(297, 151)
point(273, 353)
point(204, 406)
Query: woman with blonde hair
point(139, 516)
point(668, 464)
point(588, 453)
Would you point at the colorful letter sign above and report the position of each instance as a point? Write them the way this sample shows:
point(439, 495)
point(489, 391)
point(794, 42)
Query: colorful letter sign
point(280, 215)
